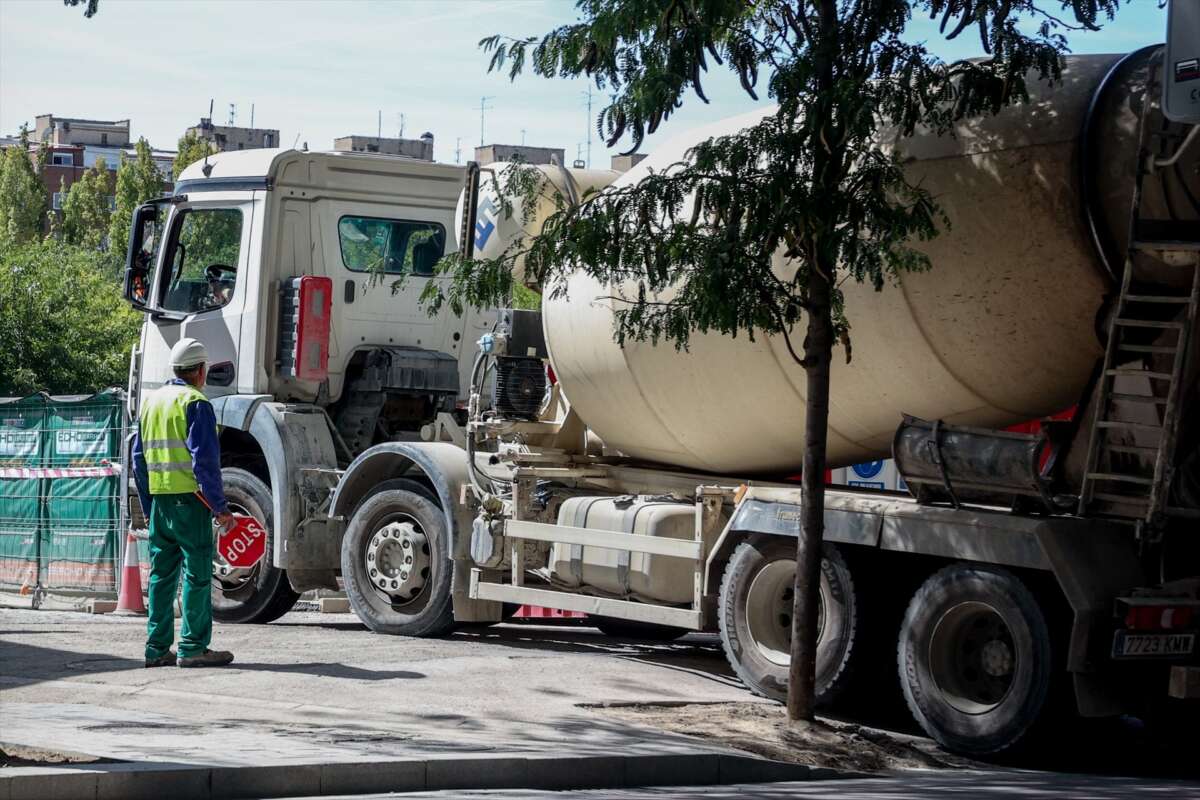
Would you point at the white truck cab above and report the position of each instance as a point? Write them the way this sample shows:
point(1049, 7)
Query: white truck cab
point(263, 254)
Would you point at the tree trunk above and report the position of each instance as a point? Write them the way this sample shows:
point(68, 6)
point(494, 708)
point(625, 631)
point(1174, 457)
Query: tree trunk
point(818, 347)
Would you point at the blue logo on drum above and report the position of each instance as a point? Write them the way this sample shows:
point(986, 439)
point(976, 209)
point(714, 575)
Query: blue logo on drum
point(868, 469)
point(485, 222)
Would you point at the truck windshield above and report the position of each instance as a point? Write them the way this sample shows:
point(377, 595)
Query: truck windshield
point(201, 264)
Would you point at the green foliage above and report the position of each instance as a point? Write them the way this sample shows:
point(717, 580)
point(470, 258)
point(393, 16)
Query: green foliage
point(85, 209)
point(65, 327)
point(90, 7)
point(191, 148)
point(524, 297)
point(138, 180)
point(698, 246)
point(22, 196)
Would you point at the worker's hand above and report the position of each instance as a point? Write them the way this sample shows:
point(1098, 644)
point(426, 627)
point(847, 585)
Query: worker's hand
point(225, 521)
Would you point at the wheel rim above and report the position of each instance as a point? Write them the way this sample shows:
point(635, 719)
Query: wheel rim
point(396, 560)
point(972, 657)
point(769, 603)
point(225, 577)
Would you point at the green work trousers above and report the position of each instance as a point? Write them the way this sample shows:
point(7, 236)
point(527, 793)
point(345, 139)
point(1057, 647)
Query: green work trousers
point(181, 534)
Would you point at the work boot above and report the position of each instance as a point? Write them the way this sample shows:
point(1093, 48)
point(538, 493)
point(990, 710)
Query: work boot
point(209, 658)
point(162, 661)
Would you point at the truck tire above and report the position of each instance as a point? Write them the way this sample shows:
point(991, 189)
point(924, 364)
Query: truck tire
point(396, 565)
point(631, 629)
point(755, 618)
point(975, 659)
point(262, 593)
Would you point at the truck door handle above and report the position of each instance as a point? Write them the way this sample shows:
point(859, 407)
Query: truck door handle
point(220, 374)
point(348, 292)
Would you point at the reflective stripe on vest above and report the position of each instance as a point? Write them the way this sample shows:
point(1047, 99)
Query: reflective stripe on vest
point(164, 439)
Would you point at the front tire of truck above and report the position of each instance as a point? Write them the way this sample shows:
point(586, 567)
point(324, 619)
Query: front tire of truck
point(396, 565)
point(755, 618)
point(975, 659)
point(262, 593)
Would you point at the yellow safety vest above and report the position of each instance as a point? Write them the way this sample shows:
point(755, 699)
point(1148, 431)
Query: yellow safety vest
point(164, 439)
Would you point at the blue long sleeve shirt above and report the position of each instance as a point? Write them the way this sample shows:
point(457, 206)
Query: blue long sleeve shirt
point(206, 456)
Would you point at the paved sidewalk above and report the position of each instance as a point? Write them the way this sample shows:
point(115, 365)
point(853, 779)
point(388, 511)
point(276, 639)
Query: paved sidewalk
point(314, 703)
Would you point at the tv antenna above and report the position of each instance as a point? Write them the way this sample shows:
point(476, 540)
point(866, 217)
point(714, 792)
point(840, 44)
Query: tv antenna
point(483, 107)
point(232, 114)
point(206, 168)
point(588, 104)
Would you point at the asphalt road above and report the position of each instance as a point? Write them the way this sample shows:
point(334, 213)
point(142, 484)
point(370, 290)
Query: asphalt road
point(312, 688)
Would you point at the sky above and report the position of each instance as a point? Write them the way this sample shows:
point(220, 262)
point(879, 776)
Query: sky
point(320, 69)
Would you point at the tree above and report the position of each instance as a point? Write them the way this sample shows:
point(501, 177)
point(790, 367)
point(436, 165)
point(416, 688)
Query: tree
point(90, 7)
point(86, 208)
point(190, 150)
point(65, 327)
point(22, 196)
point(138, 180)
point(752, 233)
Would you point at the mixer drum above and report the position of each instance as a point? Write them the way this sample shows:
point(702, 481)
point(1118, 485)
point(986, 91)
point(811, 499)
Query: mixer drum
point(1002, 329)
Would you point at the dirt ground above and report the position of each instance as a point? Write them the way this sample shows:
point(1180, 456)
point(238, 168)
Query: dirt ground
point(763, 729)
point(14, 755)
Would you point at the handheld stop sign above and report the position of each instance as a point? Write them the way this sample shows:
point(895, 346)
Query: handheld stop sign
point(244, 543)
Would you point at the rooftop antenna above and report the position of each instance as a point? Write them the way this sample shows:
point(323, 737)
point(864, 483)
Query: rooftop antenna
point(379, 128)
point(588, 127)
point(483, 106)
point(232, 114)
point(252, 115)
point(296, 141)
point(401, 116)
point(458, 150)
point(522, 137)
point(206, 168)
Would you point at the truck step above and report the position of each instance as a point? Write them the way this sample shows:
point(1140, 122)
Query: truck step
point(1137, 398)
point(1132, 449)
point(1122, 499)
point(1133, 426)
point(1138, 373)
point(1116, 476)
point(1157, 298)
point(1147, 348)
point(1126, 322)
point(1164, 244)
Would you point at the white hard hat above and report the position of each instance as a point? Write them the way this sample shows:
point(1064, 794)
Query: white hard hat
point(188, 353)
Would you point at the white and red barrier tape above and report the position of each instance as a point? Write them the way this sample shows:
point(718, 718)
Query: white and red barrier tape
point(60, 472)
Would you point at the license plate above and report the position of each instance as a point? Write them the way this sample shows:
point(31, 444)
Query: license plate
point(1141, 645)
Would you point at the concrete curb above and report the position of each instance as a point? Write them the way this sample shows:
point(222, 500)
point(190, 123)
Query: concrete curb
point(133, 781)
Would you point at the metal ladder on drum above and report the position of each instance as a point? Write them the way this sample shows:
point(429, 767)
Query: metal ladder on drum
point(1110, 491)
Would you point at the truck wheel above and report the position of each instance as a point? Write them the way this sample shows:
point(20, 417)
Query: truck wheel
point(396, 565)
point(974, 658)
point(631, 629)
point(755, 617)
point(262, 593)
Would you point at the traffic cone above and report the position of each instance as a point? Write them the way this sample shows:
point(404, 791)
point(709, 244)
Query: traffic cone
point(130, 602)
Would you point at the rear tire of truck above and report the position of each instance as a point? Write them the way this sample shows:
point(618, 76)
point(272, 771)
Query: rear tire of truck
point(975, 659)
point(396, 565)
point(755, 617)
point(261, 594)
point(631, 629)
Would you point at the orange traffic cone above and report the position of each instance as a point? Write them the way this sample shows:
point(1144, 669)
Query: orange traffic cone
point(130, 601)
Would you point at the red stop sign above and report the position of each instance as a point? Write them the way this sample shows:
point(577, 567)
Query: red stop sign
point(244, 544)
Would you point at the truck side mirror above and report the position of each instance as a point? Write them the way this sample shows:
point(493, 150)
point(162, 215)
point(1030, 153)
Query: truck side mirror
point(139, 261)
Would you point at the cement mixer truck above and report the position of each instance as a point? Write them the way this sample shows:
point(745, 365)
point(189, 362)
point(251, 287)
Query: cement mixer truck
point(650, 488)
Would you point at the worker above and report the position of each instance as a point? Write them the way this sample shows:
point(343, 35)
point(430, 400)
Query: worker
point(177, 467)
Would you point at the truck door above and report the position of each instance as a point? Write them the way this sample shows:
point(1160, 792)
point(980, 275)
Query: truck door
point(200, 290)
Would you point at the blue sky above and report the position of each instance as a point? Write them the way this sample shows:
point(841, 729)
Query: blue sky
point(318, 69)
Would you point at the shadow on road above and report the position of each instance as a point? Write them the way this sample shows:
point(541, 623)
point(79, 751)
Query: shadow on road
point(330, 670)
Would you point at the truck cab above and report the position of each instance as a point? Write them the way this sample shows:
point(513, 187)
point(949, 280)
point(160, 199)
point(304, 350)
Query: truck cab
point(301, 273)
